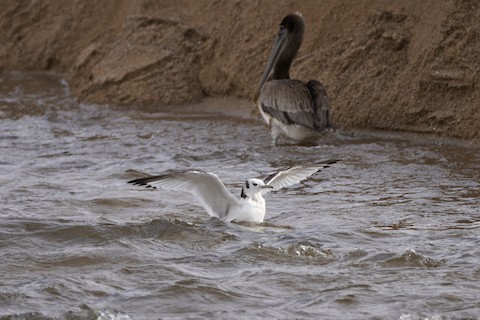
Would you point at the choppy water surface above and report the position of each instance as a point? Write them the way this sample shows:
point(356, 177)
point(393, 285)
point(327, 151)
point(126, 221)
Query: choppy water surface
point(391, 232)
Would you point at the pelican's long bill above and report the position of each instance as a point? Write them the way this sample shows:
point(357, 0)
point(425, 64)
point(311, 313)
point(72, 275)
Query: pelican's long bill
point(278, 47)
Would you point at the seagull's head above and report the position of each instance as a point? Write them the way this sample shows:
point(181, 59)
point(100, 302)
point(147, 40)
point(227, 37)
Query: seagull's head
point(253, 187)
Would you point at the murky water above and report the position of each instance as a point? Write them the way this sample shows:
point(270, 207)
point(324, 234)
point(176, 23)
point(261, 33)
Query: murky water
point(391, 232)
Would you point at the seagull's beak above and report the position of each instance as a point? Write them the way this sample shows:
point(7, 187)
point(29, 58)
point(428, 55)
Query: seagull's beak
point(267, 186)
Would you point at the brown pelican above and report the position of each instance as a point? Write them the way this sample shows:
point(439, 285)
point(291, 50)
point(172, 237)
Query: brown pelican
point(292, 108)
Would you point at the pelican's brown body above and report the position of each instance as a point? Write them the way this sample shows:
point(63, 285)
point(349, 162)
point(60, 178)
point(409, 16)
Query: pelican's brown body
point(293, 109)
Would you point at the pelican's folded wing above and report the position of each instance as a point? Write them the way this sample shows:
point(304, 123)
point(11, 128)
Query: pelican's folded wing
point(321, 105)
point(289, 101)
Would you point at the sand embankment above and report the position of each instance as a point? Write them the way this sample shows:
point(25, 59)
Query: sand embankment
point(402, 65)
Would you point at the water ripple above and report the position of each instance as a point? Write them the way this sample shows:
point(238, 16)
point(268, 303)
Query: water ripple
point(390, 232)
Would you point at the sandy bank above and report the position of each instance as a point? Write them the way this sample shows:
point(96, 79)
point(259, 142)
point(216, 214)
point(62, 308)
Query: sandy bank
point(402, 65)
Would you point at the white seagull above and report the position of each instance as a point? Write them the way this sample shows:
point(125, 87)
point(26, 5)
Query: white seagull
point(207, 188)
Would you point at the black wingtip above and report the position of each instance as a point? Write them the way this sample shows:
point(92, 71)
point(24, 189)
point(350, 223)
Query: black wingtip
point(327, 163)
point(324, 167)
point(332, 161)
point(141, 182)
point(137, 182)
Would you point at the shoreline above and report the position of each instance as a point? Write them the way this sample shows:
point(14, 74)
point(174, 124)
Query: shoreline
point(386, 65)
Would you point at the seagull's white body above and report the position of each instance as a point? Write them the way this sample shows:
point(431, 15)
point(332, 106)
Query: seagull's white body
point(249, 209)
point(207, 188)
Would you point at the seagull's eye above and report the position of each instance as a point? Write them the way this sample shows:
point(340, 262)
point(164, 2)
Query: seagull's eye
point(255, 184)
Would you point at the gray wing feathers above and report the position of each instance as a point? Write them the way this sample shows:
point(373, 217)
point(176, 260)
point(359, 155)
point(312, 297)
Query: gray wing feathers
point(320, 102)
point(293, 102)
point(295, 175)
point(205, 187)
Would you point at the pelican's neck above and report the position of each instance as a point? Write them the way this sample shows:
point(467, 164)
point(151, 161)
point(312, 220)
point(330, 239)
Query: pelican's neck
point(281, 70)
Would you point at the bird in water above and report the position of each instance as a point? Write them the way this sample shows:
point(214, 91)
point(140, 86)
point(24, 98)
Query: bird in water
point(207, 189)
point(292, 109)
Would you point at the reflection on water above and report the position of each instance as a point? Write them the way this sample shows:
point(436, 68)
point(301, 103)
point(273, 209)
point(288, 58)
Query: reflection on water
point(391, 232)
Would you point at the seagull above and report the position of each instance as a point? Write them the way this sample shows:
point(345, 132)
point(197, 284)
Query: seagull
point(209, 190)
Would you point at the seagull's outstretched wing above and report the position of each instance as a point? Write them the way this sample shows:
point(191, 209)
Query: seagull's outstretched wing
point(204, 186)
point(294, 175)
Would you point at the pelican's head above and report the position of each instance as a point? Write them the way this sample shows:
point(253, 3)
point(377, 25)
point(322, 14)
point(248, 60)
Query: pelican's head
point(253, 187)
point(289, 39)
